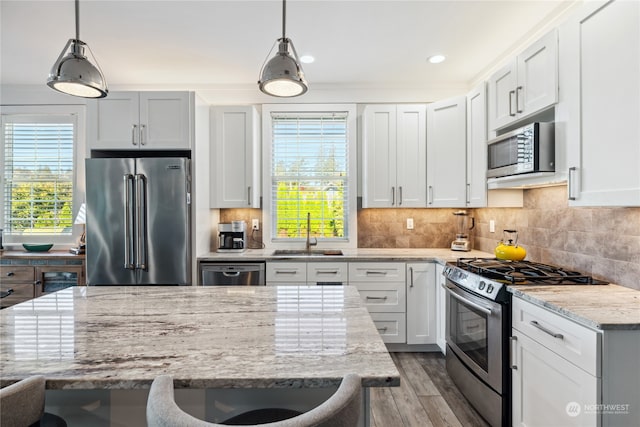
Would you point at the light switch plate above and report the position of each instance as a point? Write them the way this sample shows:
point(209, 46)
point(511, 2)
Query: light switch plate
point(255, 224)
point(492, 226)
point(409, 223)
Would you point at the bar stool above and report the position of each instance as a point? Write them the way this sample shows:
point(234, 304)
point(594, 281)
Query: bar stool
point(342, 409)
point(22, 405)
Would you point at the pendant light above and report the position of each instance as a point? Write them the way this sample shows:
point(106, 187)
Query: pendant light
point(73, 73)
point(282, 75)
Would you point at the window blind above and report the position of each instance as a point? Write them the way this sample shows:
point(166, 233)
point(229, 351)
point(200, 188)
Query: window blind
point(310, 175)
point(38, 174)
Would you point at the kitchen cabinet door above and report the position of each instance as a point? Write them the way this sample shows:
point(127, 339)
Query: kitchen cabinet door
point(379, 156)
point(140, 121)
point(476, 191)
point(526, 85)
point(441, 309)
point(421, 303)
point(394, 156)
point(446, 153)
point(602, 103)
point(411, 153)
point(547, 389)
point(235, 157)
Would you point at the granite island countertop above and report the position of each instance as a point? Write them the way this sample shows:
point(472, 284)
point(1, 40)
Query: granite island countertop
point(111, 337)
point(603, 307)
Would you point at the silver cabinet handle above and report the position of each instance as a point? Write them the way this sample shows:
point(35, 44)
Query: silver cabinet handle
point(249, 196)
point(546, 331)
point(286, 271)
point(468, 193)
point(142, 130)
point(375, 273)
point(572, 171)
point(400, 195)
point(133, 134)
point(430, 195)
point(383, 329)
point(511, 93)
point(327, 271)
point(513, 341)
point(393, 196)
point(376, 298)
point(411, 276)
point(518, 90)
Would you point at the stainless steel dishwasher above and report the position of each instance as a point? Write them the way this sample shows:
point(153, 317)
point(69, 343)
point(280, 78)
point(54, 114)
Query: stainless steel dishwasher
point(232, 274)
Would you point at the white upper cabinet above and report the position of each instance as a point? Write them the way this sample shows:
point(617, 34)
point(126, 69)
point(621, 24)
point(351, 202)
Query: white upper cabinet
point(140, 120)
point(235, 157)
point(600, 103)
point(394, 156)
point(446, 153)
point(476, 191)
point(526, 85)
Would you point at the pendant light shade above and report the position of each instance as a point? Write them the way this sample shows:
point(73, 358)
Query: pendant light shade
point(282, 75)
point(74, 73)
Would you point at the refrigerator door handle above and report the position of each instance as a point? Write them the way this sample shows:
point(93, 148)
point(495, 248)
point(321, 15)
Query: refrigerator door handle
point(128, 219)
point(141, 225)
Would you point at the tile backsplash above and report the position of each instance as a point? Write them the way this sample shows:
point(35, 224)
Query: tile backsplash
point(603, 242)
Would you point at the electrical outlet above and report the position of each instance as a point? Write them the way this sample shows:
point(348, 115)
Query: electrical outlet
point(409, 223)
point(492, 226)
point(255, 224)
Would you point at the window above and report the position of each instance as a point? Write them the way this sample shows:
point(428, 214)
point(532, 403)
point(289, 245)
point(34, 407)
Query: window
point(38, 175)
point(311, 171)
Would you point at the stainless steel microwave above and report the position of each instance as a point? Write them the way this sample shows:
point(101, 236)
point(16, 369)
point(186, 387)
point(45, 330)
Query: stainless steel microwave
point(528, 149)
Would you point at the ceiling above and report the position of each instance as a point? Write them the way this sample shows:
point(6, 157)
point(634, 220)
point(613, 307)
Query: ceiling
point(204, 43)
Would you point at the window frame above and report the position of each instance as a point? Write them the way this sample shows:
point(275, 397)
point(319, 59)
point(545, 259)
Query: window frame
point(274, 242)
point(79, 150)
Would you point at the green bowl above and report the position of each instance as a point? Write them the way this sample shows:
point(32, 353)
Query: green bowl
point(37, 248)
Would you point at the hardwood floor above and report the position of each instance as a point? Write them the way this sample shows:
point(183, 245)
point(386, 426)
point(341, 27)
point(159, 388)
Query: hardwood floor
point(426, 396)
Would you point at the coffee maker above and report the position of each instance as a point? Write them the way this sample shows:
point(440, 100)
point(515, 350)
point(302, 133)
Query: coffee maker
point(464, 224)
point(232, 236)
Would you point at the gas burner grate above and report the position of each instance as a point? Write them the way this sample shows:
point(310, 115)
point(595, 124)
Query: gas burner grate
point(525, 272)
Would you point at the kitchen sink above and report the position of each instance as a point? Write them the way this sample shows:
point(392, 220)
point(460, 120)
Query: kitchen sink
point(303, 252)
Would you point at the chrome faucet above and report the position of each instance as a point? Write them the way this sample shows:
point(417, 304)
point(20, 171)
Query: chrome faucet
point(315, 241)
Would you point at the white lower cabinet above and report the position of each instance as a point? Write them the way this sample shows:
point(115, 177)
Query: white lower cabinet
point(382, 288)
point(441, 309)
point(567, 374)
point(421, 303)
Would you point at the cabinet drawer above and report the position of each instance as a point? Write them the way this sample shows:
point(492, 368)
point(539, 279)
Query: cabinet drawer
point(287, 272)
point(20, 292)
point(576, 343)
point(17, 274)
point(376, 272)
point(327, 272)
point(383, 297)
point(391, 326)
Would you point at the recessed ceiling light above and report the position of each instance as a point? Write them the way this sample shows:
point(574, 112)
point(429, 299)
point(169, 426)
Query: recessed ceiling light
point(307, 59)
point(436, 59)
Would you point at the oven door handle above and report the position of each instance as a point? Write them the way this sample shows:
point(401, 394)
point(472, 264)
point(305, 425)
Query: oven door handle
point(477, 306)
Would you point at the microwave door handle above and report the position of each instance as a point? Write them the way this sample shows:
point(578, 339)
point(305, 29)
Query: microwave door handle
point(463, 300)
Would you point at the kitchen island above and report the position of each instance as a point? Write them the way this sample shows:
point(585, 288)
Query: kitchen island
point(118, 339)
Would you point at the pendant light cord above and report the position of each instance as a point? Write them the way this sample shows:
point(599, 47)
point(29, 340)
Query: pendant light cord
point(284, 18)
point(77, 20)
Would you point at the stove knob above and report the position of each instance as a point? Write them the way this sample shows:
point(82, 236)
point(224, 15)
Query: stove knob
point(490, 288)
point(482, 285)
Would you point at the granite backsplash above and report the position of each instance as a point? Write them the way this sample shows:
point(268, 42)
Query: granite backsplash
point(603, 242)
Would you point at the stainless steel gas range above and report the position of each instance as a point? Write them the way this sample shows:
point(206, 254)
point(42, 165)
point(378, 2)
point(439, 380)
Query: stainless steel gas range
point(478, 326)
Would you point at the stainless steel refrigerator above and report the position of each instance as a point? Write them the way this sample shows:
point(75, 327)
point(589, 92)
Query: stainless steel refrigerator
point(138, 221)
